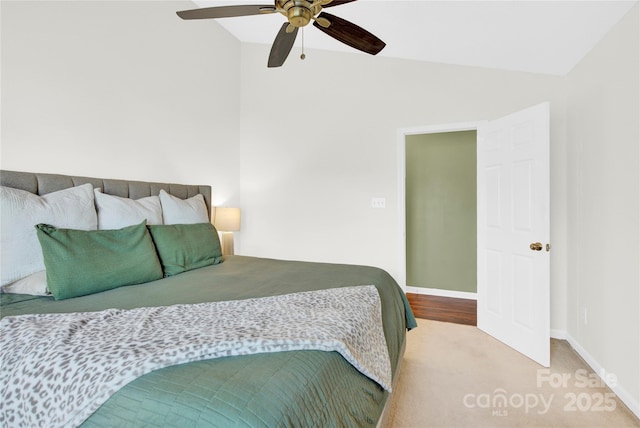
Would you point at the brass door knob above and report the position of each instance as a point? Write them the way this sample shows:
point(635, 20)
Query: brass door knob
point(536, 246)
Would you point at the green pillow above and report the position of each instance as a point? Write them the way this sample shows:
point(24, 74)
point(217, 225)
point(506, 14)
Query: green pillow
point(182, 247)
point(82, 262)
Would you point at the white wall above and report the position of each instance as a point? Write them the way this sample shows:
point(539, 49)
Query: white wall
point(121, 90)
point(604, 206)
point(319, 140)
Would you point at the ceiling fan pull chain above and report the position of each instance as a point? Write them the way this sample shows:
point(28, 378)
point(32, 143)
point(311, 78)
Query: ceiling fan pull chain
point(302, 55)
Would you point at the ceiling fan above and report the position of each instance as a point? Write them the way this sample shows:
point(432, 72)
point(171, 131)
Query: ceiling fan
point(299, 13)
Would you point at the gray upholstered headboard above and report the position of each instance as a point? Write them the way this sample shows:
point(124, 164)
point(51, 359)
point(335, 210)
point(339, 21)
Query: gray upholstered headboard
point(41, 184)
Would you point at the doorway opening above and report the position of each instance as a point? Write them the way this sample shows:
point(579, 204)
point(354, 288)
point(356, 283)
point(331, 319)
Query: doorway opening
point(438, 210)
point(440, 224)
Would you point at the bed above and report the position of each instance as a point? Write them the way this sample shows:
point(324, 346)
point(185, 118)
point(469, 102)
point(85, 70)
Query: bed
point(297, 387)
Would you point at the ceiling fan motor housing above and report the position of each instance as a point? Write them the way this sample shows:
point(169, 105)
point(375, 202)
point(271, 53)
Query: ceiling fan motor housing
point(299, 12)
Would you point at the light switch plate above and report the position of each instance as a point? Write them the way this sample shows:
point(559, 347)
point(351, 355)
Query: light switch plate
point(378, 203)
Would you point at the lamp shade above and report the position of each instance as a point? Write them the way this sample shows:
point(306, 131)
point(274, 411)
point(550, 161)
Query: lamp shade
point(227, 219)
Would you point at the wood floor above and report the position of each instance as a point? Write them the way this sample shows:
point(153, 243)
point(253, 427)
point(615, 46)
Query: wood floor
point(448, 309)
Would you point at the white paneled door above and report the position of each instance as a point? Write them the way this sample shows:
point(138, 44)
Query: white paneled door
point(513, 231)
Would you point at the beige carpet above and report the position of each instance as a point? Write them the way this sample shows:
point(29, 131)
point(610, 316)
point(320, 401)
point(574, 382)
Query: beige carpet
point(458, 376)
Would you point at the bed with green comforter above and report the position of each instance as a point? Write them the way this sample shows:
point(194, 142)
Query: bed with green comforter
point(282, 389)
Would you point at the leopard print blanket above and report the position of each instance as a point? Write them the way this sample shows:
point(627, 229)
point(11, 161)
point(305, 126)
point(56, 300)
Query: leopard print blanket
point(57, 369)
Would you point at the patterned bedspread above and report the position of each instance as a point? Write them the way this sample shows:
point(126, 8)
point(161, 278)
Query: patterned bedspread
point(57, 369)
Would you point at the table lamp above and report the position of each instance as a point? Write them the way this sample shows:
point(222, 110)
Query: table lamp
point(227, 220)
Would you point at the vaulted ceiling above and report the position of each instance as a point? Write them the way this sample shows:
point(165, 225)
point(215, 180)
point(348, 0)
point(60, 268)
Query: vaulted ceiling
point(542, 36)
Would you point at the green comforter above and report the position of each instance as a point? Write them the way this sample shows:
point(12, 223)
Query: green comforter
point(297, 388)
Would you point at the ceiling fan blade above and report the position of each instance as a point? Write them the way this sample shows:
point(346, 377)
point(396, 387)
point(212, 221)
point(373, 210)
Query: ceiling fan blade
point(282, 46)
point(350, 34)
point(337, 3)
point(226, 11)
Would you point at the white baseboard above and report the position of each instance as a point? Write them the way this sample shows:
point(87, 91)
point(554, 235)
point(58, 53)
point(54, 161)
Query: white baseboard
point(559, 334)
point(620, 391)
point(442, 293)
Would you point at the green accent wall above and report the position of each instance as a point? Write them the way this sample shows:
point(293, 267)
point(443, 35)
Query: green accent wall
point(441, 211)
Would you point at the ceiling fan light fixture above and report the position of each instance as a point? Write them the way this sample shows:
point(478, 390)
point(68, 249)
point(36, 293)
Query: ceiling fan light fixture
point(299, 16)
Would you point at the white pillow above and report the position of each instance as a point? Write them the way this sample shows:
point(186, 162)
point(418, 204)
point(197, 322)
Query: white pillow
point(34, 284)
point(21, 211)
point(183, 211)
point(115, 212)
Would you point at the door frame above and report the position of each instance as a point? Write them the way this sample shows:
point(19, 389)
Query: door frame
point(402, 209)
